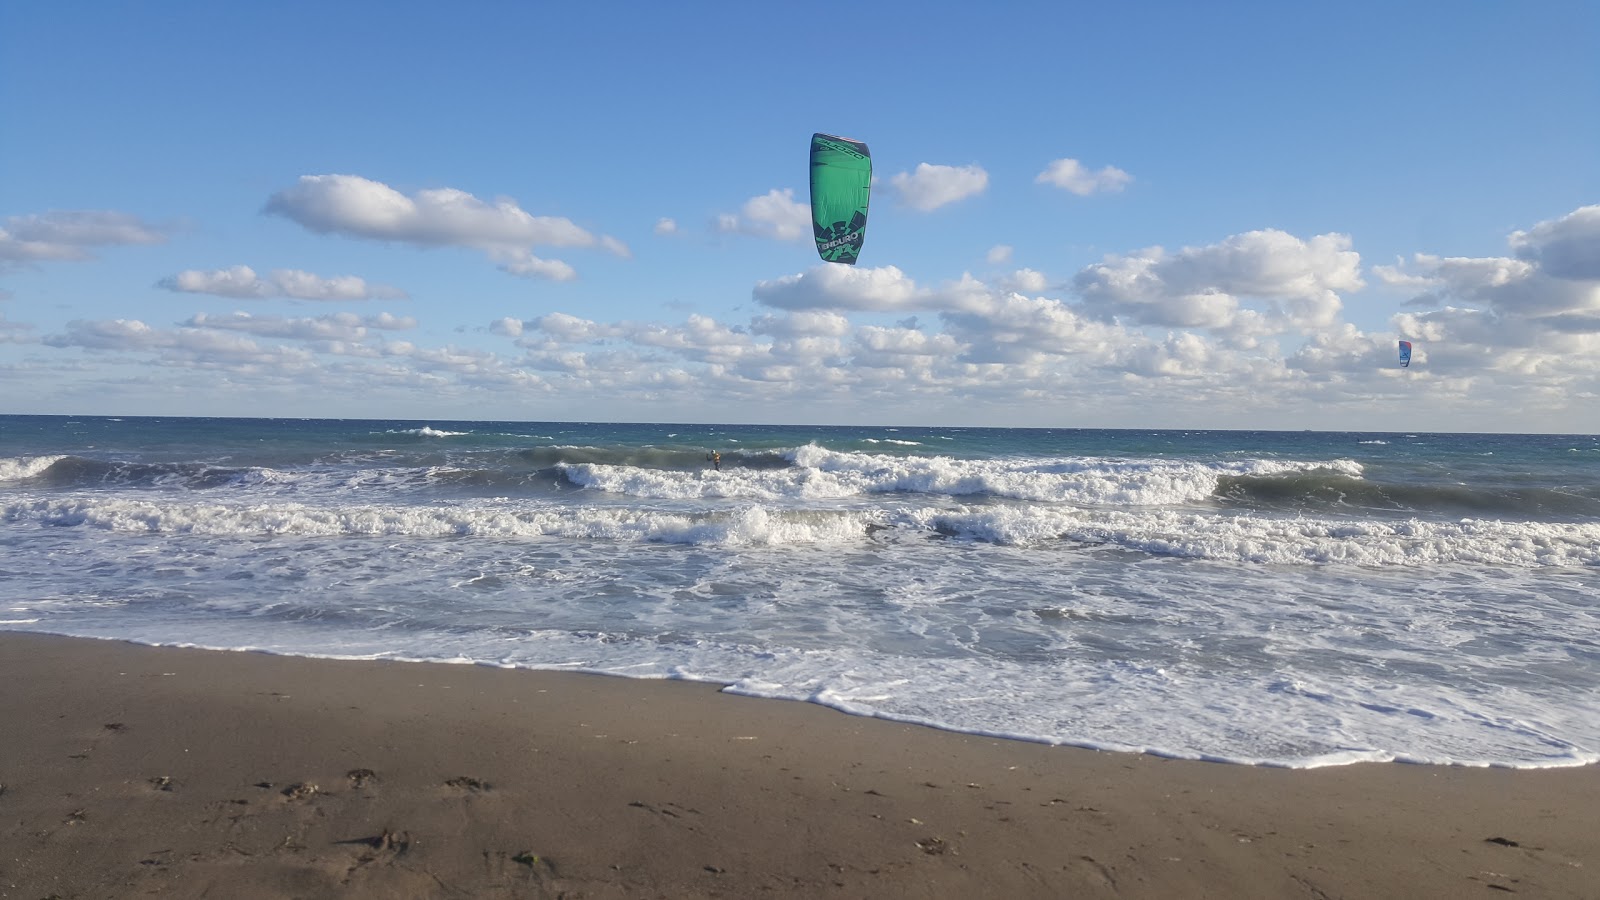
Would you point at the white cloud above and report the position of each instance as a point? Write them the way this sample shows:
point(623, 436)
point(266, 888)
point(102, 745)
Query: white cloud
point(931, 186)
point(1071, 175)
point(880, 347)
point(113, 334)
point(840, 287)
point(521, 262)
point(571, 329)
point(615, 247)
point(1205, 287)
point(337, 326)
point(999, 253)
point(1241, 332)
point(71, 235)
point(774, 215)
point(809, 323)
point(1566, 248)
point(1395, 276)
point(1025, 281)
point(1011, 328)
point(1554, 280)
point(226, 341)
point(359, 207)
point(306, 286)
point(186, 347)
point(356, 206)
point(507, 326)
point(1345, 348)
point(239, 281)
point(1532, 319)
point(666, 226)
point(242, 282)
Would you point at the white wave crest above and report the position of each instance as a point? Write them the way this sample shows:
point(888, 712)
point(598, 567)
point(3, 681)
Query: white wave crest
point(1299, 541)
point(1254, 540)
point(17, 468)
point(426, 431)
point(749, 526)
point(821, 474)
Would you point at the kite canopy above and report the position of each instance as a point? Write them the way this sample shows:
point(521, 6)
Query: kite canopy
point(841, 180)
point(1405, 354)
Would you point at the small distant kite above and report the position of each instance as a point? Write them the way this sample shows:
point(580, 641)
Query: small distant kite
point(1405, 354)
point(841, 181)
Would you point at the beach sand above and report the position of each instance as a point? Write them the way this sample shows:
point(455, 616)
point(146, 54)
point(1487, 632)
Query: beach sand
point(130, 771)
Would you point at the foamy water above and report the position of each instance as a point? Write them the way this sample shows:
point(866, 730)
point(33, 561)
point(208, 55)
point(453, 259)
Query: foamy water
point(1293, 600)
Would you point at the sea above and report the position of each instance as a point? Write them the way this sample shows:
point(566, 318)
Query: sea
point(1293, 599)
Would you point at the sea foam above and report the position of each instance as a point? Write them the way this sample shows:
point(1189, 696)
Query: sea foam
point(18, 468)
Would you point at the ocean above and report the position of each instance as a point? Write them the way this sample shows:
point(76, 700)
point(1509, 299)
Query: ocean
point(1266, 598)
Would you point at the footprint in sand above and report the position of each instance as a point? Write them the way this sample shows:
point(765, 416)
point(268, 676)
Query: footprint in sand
point(391, 842)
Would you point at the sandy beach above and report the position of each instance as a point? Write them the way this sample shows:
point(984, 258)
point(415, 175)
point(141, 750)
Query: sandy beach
point(130, 771)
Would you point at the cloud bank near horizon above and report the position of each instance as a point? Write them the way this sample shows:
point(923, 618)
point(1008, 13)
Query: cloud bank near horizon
point(1254, 320)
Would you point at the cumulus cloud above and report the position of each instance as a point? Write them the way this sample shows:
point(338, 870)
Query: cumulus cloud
point(572, 329)
point(988, 345)
point(242, 282)
point(1534, 315)
point(1552, 283)
point(1296, 281)
point(810, 323)
point(775, 215)
point(71, 235)
point(506, 326)
point(1025, 281)
point(1071, 175)
point(841, 287)
point(1565, 248)
point(444, 217)
point(666, 226)
point(239, 281)
point(931, 186)
point(1345, 348)
point(902, 347)
point(1007, 327)
point(999, 253)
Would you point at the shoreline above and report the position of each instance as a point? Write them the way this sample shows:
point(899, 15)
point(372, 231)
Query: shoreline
point(130, 770)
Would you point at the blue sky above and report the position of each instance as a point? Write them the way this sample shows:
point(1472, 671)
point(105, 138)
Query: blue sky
point(1140, 215)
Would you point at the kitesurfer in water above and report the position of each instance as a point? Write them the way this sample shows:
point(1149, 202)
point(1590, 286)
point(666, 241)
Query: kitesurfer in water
point(716, 460)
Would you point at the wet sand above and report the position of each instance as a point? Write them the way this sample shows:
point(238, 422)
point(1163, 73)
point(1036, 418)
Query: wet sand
point(129, 771)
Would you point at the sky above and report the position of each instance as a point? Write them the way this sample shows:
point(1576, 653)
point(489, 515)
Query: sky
point(1130, 215)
